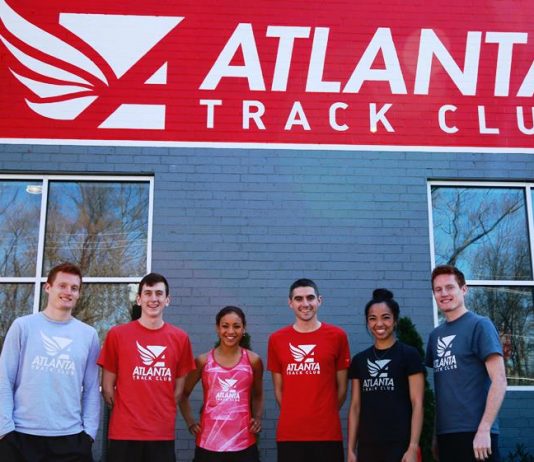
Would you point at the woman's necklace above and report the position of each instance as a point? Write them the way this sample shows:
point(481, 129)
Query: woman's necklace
point(383, 353)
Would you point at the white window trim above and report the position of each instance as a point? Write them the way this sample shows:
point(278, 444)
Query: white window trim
point(527, 186)
point(39, 279)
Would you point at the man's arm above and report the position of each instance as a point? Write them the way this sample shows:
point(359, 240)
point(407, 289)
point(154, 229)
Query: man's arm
point(497, 374)
point(91, 392)
point(184, 404)
point(341, 381)
point(278, 387)
point(9, 360)
point(179, 389)
point(108, 386)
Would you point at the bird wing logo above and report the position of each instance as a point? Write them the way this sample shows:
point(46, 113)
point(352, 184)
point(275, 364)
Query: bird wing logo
point(227, 384)
point(378, 368)
point(63, 81)
point(302, 353)
point(444, 345)
point(55, 345)
point(152, 354)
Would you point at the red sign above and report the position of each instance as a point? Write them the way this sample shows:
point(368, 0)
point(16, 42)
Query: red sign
point(344, 73)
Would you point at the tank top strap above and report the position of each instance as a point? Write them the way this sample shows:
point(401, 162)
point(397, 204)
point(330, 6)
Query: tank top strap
point(210, 360)
point(245, 358)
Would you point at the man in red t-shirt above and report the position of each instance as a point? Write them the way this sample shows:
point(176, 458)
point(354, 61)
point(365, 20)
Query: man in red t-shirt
point(144, 364)
point(309, 361)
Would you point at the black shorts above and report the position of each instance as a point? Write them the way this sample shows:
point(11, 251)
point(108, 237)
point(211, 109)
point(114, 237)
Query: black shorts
point(381, 452)
point(250, 454)
point(21, 447)
point(310, 451)
point(455, 447)
point(141, 451)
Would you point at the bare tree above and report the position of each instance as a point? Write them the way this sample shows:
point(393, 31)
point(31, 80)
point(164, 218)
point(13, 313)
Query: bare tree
point(100, 226)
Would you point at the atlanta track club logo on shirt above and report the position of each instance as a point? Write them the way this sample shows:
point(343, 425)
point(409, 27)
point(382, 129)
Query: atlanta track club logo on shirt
point(304, 361)
point(57, 359)
point(379, 381)
point(153, 368)
point(228, 391)
point(445, 360)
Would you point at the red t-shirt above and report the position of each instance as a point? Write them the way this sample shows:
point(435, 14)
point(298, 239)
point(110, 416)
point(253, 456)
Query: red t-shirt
point(147, 363)
point(308, 363)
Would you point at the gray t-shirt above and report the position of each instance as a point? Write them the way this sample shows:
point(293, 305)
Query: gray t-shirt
point(457, 351)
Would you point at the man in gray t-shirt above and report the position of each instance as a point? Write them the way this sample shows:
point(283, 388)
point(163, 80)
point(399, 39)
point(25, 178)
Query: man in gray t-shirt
point(469, 375)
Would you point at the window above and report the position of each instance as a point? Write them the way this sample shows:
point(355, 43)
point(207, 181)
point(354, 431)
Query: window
point(486, 230)
point(99, 223)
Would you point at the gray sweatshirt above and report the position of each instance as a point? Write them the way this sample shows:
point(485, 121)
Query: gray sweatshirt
point(49, 378)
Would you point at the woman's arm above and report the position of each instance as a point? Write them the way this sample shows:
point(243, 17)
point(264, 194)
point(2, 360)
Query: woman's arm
point(416, 383)
point(354, 420)
point(257, 392)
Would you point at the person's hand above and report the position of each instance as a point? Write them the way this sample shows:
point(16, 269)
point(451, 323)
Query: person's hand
point(411, 453)
point(351, 456)
point(255, 425)
point(108, 399)
point(194, 428)
point(482, 445)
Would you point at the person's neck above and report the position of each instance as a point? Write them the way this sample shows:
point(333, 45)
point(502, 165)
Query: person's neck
point(151, 323)
point(57, 314)
point(228, 350)
point(456, 314)
point(385, 343)
point(307, 326)
point(227, 354)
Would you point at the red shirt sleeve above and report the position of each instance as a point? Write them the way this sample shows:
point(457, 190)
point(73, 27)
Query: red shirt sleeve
point(273, 363)
point(186, 362)
point(108, 354)
point(343, 360)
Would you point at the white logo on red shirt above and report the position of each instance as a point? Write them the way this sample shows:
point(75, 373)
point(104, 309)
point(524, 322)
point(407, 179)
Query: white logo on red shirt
point(302, 353)
point(304, 357)
point(152, 357)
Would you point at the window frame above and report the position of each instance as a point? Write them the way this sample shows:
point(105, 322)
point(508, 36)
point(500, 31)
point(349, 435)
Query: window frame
point(528, 188)
point(39, 279)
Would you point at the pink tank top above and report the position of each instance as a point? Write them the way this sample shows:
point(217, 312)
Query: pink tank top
point(226, 412)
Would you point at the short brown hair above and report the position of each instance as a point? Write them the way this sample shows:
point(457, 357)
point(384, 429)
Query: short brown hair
point(65, 267)
point(151, 279)
point(303, 283)
point(448, 269)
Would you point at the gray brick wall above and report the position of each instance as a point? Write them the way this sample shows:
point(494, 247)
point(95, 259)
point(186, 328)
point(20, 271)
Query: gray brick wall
point(237, 226)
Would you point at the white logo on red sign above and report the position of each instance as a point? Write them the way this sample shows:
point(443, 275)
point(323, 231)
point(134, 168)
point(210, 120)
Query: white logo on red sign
point(64, 81)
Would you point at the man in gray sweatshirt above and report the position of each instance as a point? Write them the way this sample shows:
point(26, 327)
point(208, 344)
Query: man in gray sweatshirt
point(49, 390)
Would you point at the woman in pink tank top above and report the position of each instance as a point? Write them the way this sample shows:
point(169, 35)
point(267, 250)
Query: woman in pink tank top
point(231, 378)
